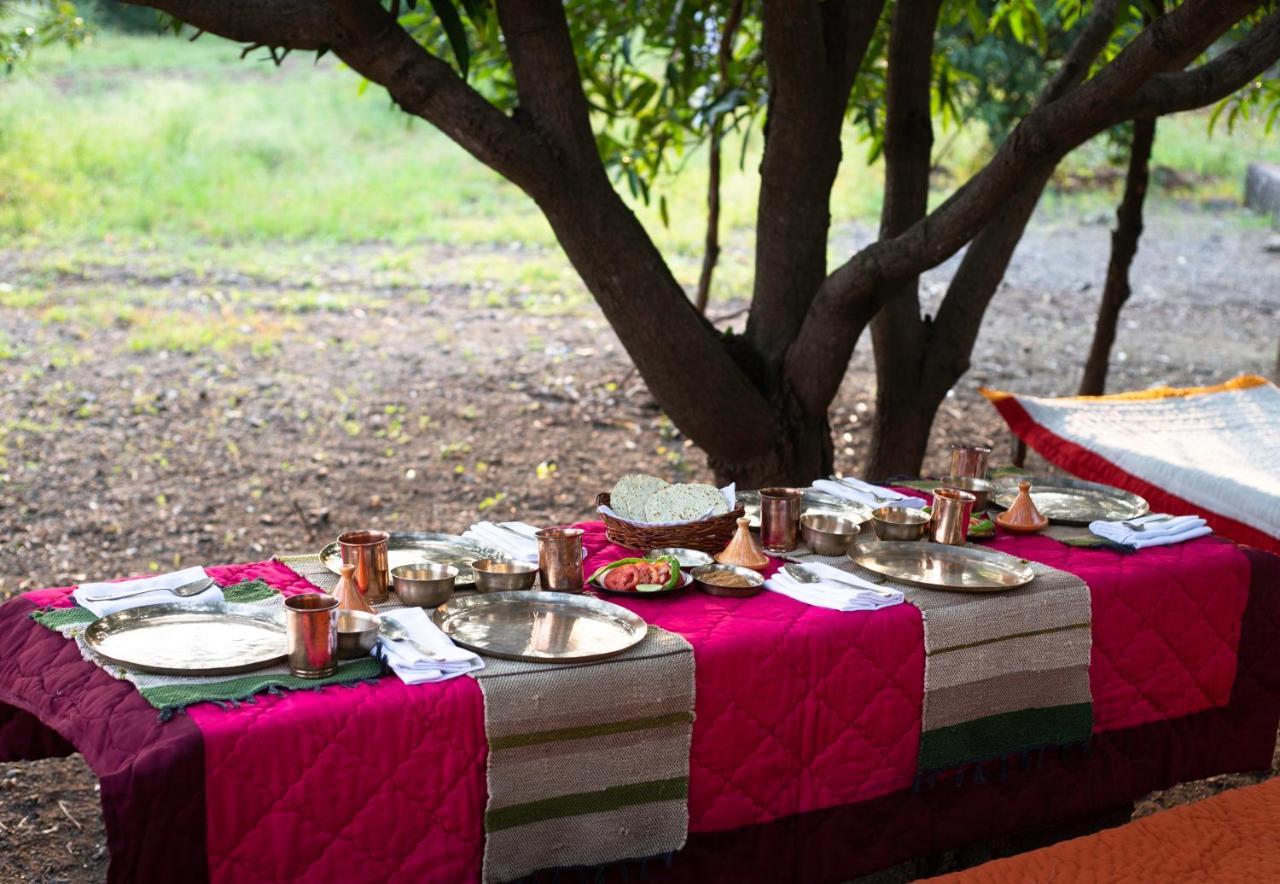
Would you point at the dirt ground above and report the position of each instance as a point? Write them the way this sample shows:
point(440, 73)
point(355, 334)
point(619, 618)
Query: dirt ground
point(404, 402)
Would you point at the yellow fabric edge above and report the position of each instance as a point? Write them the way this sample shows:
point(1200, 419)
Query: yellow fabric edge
point(1243, 382)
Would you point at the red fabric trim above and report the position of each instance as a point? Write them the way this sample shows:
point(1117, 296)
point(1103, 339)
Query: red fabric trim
point(1089, 465)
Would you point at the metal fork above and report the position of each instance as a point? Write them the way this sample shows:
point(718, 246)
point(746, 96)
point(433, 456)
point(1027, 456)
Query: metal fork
point(186, 591)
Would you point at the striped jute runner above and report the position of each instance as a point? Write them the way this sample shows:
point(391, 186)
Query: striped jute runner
point(588, 763)
point(1005, 673)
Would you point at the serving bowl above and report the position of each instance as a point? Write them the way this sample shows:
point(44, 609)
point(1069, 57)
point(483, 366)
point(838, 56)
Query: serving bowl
point(754, 581)
point(503, 575)
point(357, 633)
point(424, 584)
point(979, 488)
point(899, 523)
point(688, 558)
point(828, 535)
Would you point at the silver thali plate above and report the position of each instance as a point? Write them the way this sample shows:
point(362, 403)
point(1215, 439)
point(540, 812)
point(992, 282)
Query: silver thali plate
point(943, 566)
point(541, 627)
point(814, 501)
point(1073, 501)
point(410, 547)
point(216, 639)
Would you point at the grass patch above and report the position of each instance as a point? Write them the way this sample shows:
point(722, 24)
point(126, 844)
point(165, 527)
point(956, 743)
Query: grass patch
point(193, 160)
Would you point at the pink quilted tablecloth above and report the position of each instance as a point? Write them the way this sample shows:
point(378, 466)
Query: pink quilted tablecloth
point(804, 717)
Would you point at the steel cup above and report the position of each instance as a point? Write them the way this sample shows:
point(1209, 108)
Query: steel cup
point(311, 633)
point(950, 520)
point(367, 550)
point(560, 559)
point(969, 460)
point(780, 519)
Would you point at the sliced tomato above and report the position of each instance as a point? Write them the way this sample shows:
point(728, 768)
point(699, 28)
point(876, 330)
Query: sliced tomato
point(626, 577)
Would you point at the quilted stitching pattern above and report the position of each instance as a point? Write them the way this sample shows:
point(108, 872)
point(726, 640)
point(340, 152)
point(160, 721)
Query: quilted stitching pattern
point(1166, 624)
point(798, 708)
point(366, 783)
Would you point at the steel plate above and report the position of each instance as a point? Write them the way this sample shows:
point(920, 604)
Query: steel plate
point(814, 501)
point(169, 639)
point(540, 627)
point(943, 566)
point(1073, 501)
point(410, 547)
point(686, 579)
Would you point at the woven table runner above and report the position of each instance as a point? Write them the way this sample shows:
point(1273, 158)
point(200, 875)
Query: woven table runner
point(588, 763)
point(172, 693)
point(1005, 673)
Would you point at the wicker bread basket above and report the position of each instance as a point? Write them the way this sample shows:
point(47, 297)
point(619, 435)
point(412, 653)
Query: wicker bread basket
point(709, 535)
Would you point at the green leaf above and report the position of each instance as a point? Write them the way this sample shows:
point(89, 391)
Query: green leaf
point(666, 218)
point(453, 29)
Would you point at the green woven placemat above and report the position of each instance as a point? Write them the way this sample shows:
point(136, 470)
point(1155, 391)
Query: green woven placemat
point(171, 693)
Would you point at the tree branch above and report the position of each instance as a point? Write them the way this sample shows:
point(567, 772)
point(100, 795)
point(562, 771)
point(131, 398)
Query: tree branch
point(960, 315)
point(813, 51)
point(850, 296)
point(548, 82)
point(1212, 81)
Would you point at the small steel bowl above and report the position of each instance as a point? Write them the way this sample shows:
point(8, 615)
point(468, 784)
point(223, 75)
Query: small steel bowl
point(732, 592)
point(424, 584)
point(899, 523)
point(503, 575)
point(828, 535)
point(357, 634)
point(688, 558)
point(979, 488)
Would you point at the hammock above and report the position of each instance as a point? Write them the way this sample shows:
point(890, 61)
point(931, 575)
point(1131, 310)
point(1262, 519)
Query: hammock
point(1213, 451)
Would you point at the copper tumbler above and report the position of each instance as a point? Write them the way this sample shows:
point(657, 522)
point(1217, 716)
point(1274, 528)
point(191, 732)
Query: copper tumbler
point(779, 519)
point(367, 550)
point(311, 633)
point(560, 559)
point(969, 460)
point(950, 520)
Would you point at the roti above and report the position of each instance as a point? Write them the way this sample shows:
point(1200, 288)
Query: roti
point(684, 503)
point(630, 496)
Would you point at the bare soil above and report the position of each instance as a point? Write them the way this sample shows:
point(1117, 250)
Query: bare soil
point(424, 406)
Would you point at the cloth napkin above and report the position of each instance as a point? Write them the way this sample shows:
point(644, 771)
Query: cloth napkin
point(834, 591)
point(1160, 529)
point(158, 584)
point(865, 493)
point(411, 665)
point(523, 547)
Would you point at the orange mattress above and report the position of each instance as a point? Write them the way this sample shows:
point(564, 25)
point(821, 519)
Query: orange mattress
point(1234, 836)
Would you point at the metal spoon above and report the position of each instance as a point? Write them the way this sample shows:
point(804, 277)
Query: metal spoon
point(398, 633)
point(804, 575)
point(186, 591)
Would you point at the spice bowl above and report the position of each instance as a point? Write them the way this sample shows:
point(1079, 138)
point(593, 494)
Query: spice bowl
point(826, 534)
point(727, 581)
point(424, 584)
point(357, 633)
point(979, 488)
point(899, 523)
point(503, 575)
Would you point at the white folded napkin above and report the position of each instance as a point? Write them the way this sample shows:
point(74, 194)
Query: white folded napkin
point(522, 545)
point(1159, 529)
point(412, 665)
point(85, 592)
point(835, 591)
point(867, 494)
